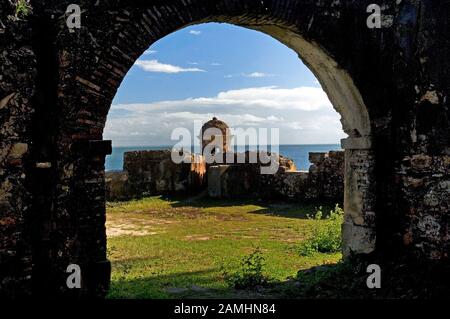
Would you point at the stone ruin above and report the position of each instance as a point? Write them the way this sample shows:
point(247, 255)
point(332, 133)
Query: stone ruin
point(148, 173)
point(389, 84)
point(323, 183)
point(212, 130)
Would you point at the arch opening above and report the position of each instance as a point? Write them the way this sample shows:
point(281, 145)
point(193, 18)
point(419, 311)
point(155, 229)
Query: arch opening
point(347, 101)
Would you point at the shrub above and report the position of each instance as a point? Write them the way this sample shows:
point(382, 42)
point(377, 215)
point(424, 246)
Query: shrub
point(124, 270)
point(250, 273)
point(23, 8)
point(326, 235)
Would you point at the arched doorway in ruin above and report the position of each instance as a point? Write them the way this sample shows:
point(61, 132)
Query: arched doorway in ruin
point(144, 120)
point(94, 60)
point(347, 101)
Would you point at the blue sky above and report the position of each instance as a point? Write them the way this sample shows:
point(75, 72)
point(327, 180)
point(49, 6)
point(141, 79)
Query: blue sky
point(241, 76)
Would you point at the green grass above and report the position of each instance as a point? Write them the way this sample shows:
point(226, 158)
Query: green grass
point(326, 237)
point(181, 248)
point(23, 8)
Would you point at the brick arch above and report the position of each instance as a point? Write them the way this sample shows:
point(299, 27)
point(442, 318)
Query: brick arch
point(95, 59)
point(380, 81)
point(98, 71)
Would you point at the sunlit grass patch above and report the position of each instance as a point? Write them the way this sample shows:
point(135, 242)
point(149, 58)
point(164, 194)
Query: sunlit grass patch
point(182, 247)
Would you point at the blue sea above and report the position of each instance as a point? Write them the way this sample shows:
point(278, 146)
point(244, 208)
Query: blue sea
point(298, 153)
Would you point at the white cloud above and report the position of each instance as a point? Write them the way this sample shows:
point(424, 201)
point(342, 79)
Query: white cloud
point(257, 75)
point(295, 125)
point(249, 75)
point(156, 66)
point(272, 97)
point(274, 118)
point(301, 98)
point(303, 115)
point(215, 64)
point(148, 52)
point(195, 32)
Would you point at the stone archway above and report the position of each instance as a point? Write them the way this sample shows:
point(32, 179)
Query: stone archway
point(94, 82)
point(359, 202)
point(379, 80)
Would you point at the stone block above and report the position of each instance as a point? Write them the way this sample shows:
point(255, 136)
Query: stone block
point(117, 186)
point(155, 172)
point(315, 157)
point(421, 161)
point(357, 239)
point(17, 151)
point(356, 143)
point(215, 174)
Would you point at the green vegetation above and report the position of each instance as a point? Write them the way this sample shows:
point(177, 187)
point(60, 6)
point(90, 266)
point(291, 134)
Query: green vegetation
point(250, 274)
point(23, 8)
point(326, 235)
point(202, 248)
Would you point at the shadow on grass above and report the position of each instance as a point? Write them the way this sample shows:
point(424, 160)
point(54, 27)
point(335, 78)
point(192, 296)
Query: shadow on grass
point(328, 281)
point(276, 208)
point(293, 210)
point(166, 286)
point(402, 279)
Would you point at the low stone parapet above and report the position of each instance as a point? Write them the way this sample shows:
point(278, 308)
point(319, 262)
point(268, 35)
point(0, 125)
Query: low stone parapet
point(324, 181)
point(149, 173)
point(117, 186)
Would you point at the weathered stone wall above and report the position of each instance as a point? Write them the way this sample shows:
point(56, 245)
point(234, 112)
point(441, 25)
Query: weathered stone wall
point(118, 187)
point(326, 176)
point(154, 173)
point(425, 182)
point(323, 182)
point(17, 75)
point(391, 86)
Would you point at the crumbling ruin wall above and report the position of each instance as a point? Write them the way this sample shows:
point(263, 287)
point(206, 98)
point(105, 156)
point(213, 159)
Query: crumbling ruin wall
point(154, 173)
point(390, 84)
point(425, 181)
point(326, 176)
point(118, 187)
point(17, 76)
point(324, 181)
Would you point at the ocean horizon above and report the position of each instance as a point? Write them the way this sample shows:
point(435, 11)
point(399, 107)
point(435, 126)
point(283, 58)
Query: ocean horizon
point(299, 153)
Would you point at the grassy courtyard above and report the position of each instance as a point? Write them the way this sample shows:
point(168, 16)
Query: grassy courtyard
point(184, 247)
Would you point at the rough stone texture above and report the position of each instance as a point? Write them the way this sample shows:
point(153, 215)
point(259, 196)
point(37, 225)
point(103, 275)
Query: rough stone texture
point(118, 187)
point(154, 173)
point(426, 184)
point(391, 86)
point(326, 176)
point(17, 76)
point(213, 129)
point(215, 174)
point(323, 182)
